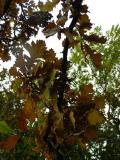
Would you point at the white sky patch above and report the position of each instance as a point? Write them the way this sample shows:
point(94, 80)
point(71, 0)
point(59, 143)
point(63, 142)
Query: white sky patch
point(104, 12)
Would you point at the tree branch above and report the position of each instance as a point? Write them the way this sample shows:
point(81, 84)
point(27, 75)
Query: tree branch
point(77, 4)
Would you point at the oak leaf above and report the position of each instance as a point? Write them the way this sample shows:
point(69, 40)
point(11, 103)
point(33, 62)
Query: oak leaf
point(61, 21)
point(29, 109)
point(96, 59)
point(49, 5)
point(99, 102)
point(36, 49)
point(51, 29)
point(95, 38)
point(84, 19)
point(22, 123)
point(90, 134)
point(94, 117)
point(9, 143)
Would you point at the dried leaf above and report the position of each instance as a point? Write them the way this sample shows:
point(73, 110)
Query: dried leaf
point(48, 155)
point(29, 109)
point(87, 89)
point(20, 63)
point(99, 102)
point(36, 50)
point(51, 29)
point(61, 21)
point(4, 55)
point(9, 143)
point(96, 59)
point(82, 145)
point(22, 123)
point(49, 5)
point(84, 9)
point(94, 117)
point(13, 72)
point(90, 134)
point(95, 38)
point(84, 19)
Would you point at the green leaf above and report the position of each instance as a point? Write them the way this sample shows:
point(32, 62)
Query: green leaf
point(5, 129)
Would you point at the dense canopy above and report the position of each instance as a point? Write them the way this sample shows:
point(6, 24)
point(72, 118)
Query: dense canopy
point(45, 111)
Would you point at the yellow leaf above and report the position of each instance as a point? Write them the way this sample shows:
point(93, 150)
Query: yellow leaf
point(46, 94)
point(49, 5)
point(72, 118)
point(84, 18)
point(94, 117)
point(82, 145)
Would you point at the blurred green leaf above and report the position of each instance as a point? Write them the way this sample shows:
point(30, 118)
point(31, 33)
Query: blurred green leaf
point(5, 129)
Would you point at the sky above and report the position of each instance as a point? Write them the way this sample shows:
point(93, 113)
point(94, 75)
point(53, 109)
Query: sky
point(102, 12)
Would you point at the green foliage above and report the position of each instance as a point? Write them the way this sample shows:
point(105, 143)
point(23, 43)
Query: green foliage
point(5, 129)
point(105, 81)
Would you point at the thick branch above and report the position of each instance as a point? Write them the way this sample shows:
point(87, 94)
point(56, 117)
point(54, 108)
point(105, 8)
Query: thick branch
point(77, 4)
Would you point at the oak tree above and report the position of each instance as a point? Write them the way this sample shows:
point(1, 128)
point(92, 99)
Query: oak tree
point(53, 117)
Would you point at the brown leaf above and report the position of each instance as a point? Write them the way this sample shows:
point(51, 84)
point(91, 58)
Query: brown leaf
point(13, 72)
point(48, 155)
point(51, 29)
point(4, 55)
point(95, 38)
point(87, 50)
point(29, 109)
point(99, 102)
point(84, 9)
point(94, 117)
point(84, 19)
point(87, 89)
point(61, 21)
point(36, 50)
point(96, 59)
point(9, 143)
point(22, 123)
point(20, 63)
point(71, 140)
point(90, 133)
point(86, 93)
